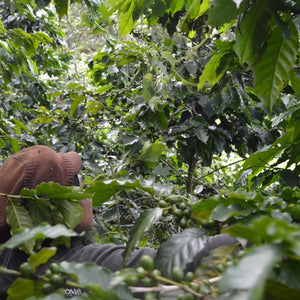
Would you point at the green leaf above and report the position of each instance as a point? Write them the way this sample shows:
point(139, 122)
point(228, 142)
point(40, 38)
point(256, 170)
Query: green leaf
point(273, 69)
point(210, 73)
point(42, 3)
point(251, 34)
point(176, 5)
point(276, 290)
point(223, 11)
point(22, 289)
point(103, 191)
point(148, 91)
point(42, 256)
point(258, 161)
point(251, 272)
point(222, 213)
point(76, 103)
point(142, 224)
point(179, 250)
point(18, 218)
point(56, 191)
point(126, 20)
point(72, 212)
point(87, 274)
point(289, 274)
point(151, 153)
point(62, 7)
point(39, 232)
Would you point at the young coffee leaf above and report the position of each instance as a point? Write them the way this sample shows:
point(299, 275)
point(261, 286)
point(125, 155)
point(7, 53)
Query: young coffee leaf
point(142, 224)
point(42, 256)
point(179, 250)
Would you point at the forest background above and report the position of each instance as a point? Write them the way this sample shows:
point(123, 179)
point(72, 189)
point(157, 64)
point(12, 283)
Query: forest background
point(186, 116)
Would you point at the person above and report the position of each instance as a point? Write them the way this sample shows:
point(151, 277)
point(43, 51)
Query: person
point(32, 166)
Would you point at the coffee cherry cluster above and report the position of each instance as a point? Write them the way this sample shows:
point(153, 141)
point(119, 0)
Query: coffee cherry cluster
point(56, 279)
point(150, 277)
point(178, 207)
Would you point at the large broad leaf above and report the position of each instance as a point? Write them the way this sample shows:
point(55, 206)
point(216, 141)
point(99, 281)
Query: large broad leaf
point(126, 20)
point(18, 218)
point(224, 11)
point(23, 289)
point(179, 250)
point(62, 7)
point(87, 274)
point(273, 69)
point(251, 272)
point(40, 232)
point(251, 34)
point(142, 224)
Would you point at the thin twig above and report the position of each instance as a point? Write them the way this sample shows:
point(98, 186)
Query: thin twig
point(220, 168)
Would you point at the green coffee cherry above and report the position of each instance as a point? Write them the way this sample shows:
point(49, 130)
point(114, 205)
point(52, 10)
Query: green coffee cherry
point(182, 205)
point(47, 288)
point(26, 269)
point(147, 281)
point(56, 279)
point(178, 212)
point(147, 262)
point(183, 222)
point(177, 274)
point(162, 204)
point(156, 273)
point(132, 280)
point(55, 269)
point(189, 276)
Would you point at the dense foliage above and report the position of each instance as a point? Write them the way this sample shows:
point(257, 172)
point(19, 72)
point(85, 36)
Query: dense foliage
point(186, 116)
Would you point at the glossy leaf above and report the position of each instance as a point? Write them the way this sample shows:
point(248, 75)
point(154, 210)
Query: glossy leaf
point(87, 274)
point(39, 232)
point(272, 71)
point(142, 224)
point(252, 32)
point(179, 250)
point(251, 272)
point(56, 191)
point(151, 153)
point(62, 7)
point(103, 191)
point(18, 219)
point(71, 211)
point(223, 11)
point(210, 73)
